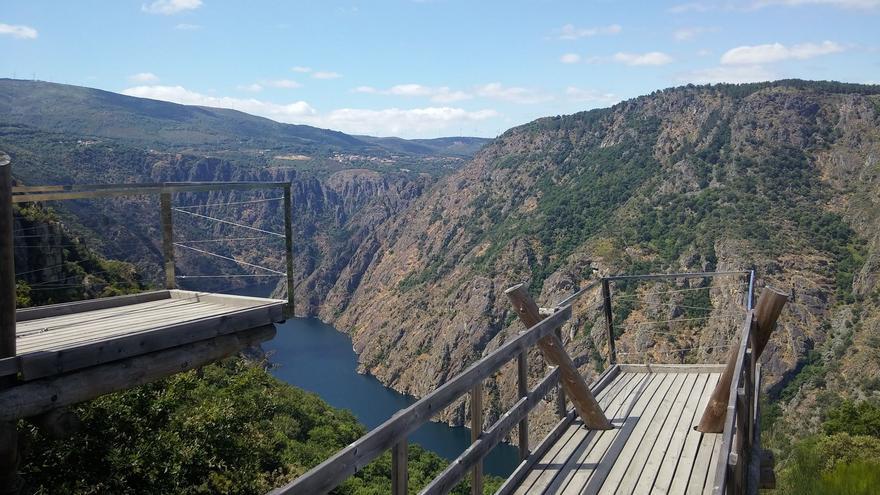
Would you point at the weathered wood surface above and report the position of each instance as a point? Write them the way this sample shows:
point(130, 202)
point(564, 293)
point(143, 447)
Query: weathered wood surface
point(288, 250)
point(654, 448)
point(399, 468)
point(24, 194)
point(555, 354)
point(609, 322)
point(599, 390)
point(766, 312)
point(9, 479)
point(88, 337)
point(349, 460)
point(476, 431)
point(522, 387)
point(167, 220)
point(39, 396)
point(485, 442)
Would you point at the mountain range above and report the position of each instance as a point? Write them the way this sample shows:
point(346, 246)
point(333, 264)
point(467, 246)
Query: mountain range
point(407, 245)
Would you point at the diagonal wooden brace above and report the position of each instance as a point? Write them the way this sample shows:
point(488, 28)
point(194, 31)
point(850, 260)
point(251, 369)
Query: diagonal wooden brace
point(555, 354)
point(767, 311)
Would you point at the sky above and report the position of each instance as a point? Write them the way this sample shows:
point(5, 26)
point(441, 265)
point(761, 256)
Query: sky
point(430, 68)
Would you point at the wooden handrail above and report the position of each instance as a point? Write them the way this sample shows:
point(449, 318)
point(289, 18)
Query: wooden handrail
point(348, 461)
point(736, 438)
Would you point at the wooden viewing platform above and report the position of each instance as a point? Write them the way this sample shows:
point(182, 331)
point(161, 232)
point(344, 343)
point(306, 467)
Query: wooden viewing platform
point(58, 355)
point(653, 447)
point(639, 429)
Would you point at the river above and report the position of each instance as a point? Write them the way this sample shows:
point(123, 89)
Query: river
point(316, 357)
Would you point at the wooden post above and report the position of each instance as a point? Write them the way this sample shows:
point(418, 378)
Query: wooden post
point(476, 430)
point(167, 239)
point(767, 311)
point(609, 322)
point(560, 392)
point(522, 385)
point(555, 355)
point(399, 469)
point(7, 262)
point(9, 480)
point(288, 249)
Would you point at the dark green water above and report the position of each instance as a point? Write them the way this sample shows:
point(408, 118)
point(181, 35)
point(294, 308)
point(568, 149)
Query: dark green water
point(317, 357)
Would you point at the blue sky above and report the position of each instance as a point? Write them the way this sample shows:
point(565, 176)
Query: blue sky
point(432, 67)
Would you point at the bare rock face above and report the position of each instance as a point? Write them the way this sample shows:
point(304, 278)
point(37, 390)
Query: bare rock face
point(780, 178)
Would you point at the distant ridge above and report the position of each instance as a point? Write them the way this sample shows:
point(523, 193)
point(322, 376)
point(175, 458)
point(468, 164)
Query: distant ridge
point(136, 121)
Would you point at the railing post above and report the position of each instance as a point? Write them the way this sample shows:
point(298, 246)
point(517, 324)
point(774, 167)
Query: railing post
point(167, 239)
point(555, 354)
point(9, 480)
point(522, 385)
point(288, 248)
point(476, 430)
point(609, 321)
point(399, 469)
point(766, 312)
point(560, 392)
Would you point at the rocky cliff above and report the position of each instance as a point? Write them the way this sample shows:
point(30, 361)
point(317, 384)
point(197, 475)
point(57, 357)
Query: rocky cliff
point(783, 178)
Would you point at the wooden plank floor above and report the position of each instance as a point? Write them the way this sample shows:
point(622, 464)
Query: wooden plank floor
point(72, 330)
point(64, 337)
point(652, 449)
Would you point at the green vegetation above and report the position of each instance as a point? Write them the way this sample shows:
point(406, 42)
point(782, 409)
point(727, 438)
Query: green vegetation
point(229, 428)
point(844, 459)
point(81, 273)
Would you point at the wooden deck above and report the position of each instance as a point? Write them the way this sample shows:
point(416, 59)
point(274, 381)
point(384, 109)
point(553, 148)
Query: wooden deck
point(65, 337)
point(653, 447)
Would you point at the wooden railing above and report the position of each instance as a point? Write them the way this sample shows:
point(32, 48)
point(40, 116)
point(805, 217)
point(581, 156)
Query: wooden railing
point(740, 440)
point(393, 433)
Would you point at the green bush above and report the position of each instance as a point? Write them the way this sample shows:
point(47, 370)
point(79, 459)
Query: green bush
point(232, 428)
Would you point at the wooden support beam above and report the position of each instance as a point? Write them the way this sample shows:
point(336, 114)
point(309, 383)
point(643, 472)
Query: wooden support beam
point(399, 468)
point(522, 385)
point(167, 239)
point(9, 480)
point(770, 304)
point(288, 249)
point(476, 431)
point(609, 322)
point(39, 396)
point(555, 355)
point(560, 392)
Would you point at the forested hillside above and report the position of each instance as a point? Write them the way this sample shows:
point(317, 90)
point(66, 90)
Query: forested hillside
point(783, 178)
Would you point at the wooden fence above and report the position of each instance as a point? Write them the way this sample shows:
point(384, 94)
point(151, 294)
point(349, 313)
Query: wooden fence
point(740, 440)
point(393, 433)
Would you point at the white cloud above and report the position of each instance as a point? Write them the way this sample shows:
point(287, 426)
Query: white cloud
point(570, 32)
point(178, 94)
point(688, 34)
point(144, 77)
point(283, 83)
point(253, 88)
point(415, 122)
point(728, 74)
point(401, 122)
point(326, 75)
point(691, 7)
point(300, 68)
point(650, 58)
point(777, 52)
point(18, 31)
point(580, 95)
point(513, 94)
point(438, 94)
point(846, 4)
point(187, 27)
point(570, 58)
point(169, 7)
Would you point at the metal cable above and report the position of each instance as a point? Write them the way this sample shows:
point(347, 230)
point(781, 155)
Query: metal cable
point(228, 258)
point(206, 205)
point(228, 222)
